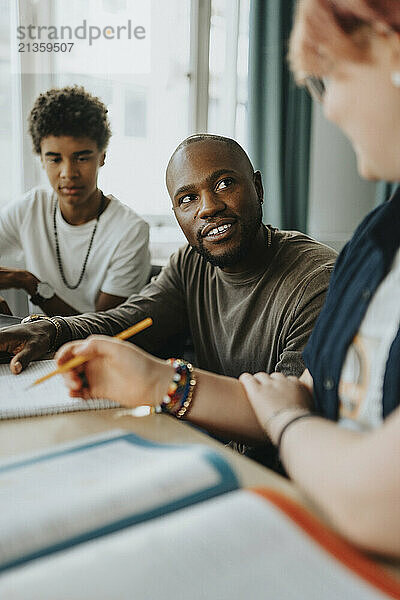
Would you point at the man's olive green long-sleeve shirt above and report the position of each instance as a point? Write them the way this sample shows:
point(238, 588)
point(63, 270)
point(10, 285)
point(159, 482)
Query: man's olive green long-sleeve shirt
point(254, 321)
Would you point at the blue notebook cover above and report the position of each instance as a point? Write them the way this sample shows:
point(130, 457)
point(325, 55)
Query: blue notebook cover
point(224, 480)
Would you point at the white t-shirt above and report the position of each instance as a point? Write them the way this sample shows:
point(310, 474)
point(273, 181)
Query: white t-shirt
point(361, 380)
point(119, 260)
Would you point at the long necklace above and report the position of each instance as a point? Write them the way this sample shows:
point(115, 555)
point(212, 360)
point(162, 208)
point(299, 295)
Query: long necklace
point(59, 261)
point(269, 236)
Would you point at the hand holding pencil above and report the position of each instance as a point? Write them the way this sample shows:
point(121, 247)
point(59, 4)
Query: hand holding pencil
point(81, 359)
point(113, 369)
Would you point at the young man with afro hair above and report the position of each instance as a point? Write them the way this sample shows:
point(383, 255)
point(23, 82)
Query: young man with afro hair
point(83, 251)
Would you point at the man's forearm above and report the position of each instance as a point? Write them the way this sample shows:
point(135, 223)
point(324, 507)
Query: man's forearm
point(114, 321)
point(57, 306)
point(109, 322)
point(28, 282)
point(161, 339)
point(19, 279)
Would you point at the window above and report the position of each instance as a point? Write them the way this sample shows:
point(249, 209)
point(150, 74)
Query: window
point(149, 116)
point(229, 42)
point(150, 113)
point(135, 107)
point(10, 183)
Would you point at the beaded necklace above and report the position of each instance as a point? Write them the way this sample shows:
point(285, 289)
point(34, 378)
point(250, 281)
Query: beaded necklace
point(269, 236)
point(59, 261)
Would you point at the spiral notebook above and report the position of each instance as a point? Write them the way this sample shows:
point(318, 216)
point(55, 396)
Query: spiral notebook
point(48, 398)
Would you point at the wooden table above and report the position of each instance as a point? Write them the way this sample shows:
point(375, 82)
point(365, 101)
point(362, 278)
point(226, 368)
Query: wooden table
point(29, 434)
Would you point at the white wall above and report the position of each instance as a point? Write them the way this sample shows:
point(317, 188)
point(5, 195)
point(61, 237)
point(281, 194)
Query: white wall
point(339, 198)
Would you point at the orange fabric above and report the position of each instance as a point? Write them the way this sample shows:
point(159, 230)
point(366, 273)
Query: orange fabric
point(333, 543)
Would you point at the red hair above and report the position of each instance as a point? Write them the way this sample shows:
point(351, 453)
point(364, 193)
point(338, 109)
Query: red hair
point(326, 30)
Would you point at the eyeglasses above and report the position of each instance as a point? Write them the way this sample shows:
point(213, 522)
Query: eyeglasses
point(316, 87)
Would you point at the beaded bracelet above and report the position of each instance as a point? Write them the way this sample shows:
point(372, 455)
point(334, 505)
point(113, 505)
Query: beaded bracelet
point(179, 396)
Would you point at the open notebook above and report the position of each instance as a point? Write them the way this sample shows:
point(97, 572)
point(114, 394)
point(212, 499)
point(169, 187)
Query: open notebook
point(119, 517)
point(49, 397)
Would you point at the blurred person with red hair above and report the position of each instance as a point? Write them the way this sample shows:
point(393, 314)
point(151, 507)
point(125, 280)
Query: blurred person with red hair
point(348, 53)
point(337, 427)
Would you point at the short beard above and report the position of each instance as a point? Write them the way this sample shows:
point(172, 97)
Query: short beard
point(248, 233)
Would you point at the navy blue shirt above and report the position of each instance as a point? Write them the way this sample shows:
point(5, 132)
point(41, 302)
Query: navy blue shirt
point(360, 268)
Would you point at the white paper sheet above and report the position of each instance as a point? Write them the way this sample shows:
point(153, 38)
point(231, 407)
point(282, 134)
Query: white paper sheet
point(233, 547)
point(49, 397)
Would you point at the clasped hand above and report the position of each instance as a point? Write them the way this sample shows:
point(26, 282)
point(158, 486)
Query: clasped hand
point(276, 399)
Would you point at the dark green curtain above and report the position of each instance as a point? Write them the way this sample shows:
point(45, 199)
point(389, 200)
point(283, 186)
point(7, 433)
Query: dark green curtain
point(279, 116)
point(384, 191)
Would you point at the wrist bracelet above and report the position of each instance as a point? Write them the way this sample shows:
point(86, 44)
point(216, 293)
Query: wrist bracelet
point(186, 404)
point(57, 337)
point(54, 320)
point(287, 425)
point(179, 396)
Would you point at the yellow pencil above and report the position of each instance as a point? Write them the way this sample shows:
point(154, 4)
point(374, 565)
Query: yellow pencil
point(79, 360)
